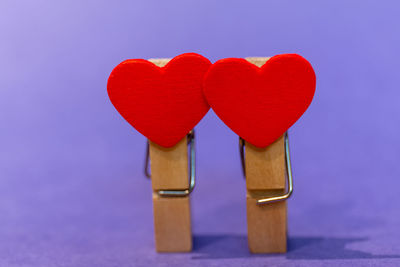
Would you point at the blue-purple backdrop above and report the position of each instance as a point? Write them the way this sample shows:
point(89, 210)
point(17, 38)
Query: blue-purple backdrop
point(72, 191)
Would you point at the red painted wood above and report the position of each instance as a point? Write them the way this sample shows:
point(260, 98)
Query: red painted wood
point(165, 103)
point(260, 104)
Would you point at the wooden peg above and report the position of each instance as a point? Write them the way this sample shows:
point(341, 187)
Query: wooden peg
point(169, 171)
point(265, 177)
point(163, 99)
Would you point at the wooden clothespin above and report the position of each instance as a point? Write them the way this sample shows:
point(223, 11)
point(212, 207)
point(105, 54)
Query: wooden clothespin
point(171, 195)
point(259, 99)
point(170, 183)
point(264, 169)
point(163, 100)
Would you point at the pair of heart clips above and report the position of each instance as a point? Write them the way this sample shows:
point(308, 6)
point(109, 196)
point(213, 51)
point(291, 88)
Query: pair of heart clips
point(258, 98)
point(258, 103)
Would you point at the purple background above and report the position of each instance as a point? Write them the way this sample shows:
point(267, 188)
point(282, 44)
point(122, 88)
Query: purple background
point(72, 191)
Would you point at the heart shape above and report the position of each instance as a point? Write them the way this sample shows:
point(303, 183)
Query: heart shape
point(260, 104)
point(162, 103)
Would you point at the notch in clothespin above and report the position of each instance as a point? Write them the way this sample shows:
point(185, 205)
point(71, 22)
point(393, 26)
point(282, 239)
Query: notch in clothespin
point(163, 99)
point(260, 99)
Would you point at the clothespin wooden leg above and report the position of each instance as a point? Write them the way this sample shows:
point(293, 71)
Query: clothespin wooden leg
point(265, 177)
point(172, 223)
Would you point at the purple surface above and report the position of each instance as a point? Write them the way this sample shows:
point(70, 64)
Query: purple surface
point(71, 183)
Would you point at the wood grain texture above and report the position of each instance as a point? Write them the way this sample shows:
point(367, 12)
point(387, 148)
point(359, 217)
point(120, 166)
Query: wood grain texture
point(169, 166)
point(159, 62)
point(266, 226)
point(265, 166)
point(172, 226)
point(258, 61)
point(265, 176)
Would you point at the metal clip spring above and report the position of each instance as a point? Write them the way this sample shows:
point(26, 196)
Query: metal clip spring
point(288, 172)
point(192, 170)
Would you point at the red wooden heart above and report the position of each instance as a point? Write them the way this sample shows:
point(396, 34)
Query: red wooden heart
point(260, 104)
point(165, 103)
